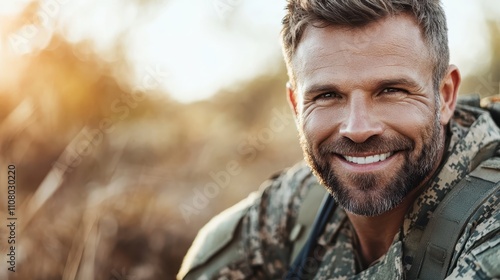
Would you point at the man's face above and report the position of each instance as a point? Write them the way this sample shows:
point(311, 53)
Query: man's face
point(367, 112)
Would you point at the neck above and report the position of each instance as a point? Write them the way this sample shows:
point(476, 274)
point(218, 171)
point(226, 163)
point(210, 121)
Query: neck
point(376, 234)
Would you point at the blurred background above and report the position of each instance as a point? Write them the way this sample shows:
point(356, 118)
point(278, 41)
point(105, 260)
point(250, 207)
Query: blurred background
point(132, 123)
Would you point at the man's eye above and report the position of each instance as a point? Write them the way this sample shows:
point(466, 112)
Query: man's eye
point(327, 95)
point(394, 90)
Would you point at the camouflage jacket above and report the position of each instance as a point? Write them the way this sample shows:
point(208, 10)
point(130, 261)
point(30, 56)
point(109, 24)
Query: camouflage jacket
point(262, 224)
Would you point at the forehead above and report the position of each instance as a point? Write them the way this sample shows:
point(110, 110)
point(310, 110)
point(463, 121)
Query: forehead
point(392, 46)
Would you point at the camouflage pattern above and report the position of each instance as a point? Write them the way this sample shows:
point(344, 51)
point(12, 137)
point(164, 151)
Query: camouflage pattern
point(265, 228)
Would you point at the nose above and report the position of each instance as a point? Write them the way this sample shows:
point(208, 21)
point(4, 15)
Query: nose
point(360, 122)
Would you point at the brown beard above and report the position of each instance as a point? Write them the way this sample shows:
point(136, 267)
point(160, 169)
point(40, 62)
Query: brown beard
point(376, 198)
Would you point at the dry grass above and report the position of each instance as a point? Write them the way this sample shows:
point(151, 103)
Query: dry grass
point(114, 212)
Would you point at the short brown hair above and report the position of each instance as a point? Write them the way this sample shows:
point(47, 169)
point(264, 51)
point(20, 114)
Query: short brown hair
point(357, 13)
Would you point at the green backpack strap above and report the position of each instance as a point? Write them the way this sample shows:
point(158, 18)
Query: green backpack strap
point(306, 216)
point(433, 256)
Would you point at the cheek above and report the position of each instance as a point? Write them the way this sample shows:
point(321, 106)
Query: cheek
point(417, 126)
point(319, 125)
point(408, 120)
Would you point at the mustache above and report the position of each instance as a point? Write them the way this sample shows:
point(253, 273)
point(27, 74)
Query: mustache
point(374, 144)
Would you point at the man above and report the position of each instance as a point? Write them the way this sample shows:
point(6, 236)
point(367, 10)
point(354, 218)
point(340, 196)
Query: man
point(374, 98)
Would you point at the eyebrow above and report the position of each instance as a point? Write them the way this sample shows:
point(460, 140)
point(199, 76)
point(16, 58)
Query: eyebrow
point(316, 88)
point(398, 81)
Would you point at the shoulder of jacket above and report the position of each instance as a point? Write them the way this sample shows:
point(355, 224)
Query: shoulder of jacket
point(487, 256)
point(215, 235)
point(289, 182)
point(218, 239)
point(482, 244)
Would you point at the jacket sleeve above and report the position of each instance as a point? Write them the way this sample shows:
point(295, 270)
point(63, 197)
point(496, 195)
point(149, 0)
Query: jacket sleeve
point(251, 240)
point(481, 258)
point(217, 243)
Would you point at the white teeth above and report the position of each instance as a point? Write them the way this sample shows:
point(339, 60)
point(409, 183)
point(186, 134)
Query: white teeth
point(369, 159)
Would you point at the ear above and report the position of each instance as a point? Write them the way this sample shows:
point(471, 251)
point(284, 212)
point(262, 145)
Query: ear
point(448, 92)
point(292, 98)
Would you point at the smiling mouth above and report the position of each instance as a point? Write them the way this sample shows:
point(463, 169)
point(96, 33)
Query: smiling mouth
point(368, 159)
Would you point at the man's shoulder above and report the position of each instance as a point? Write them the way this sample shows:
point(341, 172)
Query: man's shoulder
point(215, 236)
point(479, 246)
point(484, 221)
point(218, 243)
point(487, 255)
point(481, 255)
